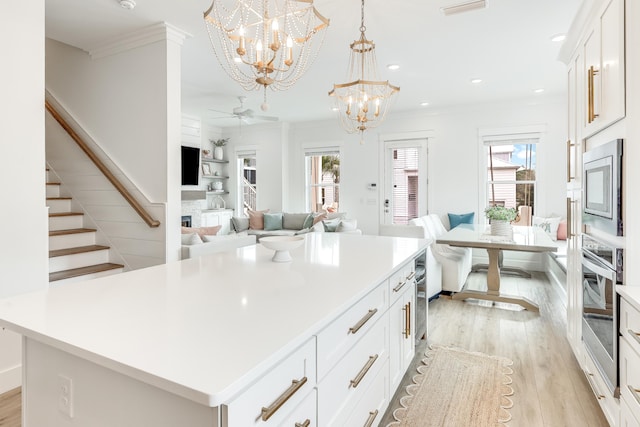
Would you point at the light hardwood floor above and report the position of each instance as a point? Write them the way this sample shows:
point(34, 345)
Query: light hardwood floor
point(550, 389)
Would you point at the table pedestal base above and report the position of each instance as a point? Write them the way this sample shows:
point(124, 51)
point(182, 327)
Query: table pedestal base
point(510, 299)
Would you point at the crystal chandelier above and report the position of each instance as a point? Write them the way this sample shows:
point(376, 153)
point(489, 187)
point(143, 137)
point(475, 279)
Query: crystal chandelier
point(364, 100)
point(265, 43)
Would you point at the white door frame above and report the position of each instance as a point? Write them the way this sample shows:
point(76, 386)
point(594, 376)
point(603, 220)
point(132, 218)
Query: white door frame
point(401, 140)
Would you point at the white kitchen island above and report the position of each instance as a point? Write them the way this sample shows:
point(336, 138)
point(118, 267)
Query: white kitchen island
point(229, 339)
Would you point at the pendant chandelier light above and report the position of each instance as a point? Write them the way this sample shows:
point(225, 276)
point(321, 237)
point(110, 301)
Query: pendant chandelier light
point(265, 43)
point(364, 100)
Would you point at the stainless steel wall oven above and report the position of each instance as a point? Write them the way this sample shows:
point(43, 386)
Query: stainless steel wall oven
point(602, 266)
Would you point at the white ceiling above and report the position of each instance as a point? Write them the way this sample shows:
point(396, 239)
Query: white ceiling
point(508, 45)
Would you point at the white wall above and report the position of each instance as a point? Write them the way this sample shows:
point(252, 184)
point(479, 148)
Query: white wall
point(24, 254)
point(453, 157)
point(129, 102)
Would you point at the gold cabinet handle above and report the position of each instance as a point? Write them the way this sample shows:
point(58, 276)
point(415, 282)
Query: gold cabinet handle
point(306, 423)
point(591, 72)
point(634, 334)
point(411, 275)
point(569, 218)
point(593, 385)
point(407, 319)
point(372, 359)
point(372, 417)
point(635, 393)
point(569, 145)
point(362, 321)
point(293, 388)
point(400, 286)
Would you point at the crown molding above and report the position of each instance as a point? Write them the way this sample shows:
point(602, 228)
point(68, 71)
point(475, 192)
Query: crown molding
point(162, 31)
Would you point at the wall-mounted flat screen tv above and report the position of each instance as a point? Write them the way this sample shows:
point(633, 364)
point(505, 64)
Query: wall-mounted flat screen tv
point(190, 165)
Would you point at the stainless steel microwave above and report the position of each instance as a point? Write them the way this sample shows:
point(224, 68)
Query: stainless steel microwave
point(602, 179)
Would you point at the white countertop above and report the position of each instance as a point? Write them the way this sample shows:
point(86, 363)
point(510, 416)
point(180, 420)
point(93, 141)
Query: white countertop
point(631, 294)
point(204, 328)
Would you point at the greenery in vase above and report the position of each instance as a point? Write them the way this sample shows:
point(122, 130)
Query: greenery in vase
point(500, 213)
point(219, 142)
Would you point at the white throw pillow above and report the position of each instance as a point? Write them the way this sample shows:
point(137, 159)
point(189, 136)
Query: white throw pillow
point(347, 225)
point(191, 239)
point(548, 225)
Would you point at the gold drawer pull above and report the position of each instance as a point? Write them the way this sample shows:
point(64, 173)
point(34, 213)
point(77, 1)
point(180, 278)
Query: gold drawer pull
point(635, 393)
point(304, 424)
point(634, 334)
point(362, 321)
point(295, 386)
point(569, 145)
point(364, 370)
point(407, 320)
point(400, 286)
point(593, 386)
point(372, 416)
point(411, 275)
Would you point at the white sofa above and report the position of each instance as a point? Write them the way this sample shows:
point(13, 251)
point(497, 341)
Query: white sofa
point(456, 262)
point(217, 244)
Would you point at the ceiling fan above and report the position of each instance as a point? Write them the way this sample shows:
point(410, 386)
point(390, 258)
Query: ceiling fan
point(244, 115)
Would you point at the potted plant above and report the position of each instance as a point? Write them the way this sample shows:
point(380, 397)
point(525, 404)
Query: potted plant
point(500, 219)
point(218, 154)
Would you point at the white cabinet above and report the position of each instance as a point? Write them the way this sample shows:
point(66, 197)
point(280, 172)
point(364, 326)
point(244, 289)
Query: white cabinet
point(629, 363)
point(212, 218)
point(402, 325)
point(604, 68)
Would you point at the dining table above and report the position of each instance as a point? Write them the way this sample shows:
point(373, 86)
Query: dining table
point(521, 238)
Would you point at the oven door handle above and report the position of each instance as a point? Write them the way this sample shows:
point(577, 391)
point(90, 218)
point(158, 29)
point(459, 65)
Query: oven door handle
point(600, 271)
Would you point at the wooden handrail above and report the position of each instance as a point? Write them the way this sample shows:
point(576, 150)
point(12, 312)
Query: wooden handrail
point(103, 168)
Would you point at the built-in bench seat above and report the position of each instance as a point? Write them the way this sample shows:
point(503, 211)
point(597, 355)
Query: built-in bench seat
point(556, 266)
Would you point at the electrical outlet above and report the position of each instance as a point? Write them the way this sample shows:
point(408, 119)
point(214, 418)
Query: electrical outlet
point(65, 395)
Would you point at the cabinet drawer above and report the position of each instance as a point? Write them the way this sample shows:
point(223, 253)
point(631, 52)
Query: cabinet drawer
point(627, 419)
point(370, 409)
point(630, 324)
point(630, 376)
point(337, 338)
point(352, 377)
point(400, 280)
point(276, 387)
point(608, 404)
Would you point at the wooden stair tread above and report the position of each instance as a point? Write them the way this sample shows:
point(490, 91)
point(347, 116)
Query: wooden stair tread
point(52, 183)
point(71, 231)
point(76, 250)
point(58, 198)
point(59, 214)
point(75, 272)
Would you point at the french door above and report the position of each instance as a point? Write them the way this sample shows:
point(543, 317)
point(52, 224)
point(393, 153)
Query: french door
point(404, 194)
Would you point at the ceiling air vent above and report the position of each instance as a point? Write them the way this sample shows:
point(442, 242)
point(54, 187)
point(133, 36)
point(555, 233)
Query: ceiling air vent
point(463, 7)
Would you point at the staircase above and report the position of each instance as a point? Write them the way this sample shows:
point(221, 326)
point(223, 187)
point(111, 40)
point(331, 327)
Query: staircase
point(73, 252)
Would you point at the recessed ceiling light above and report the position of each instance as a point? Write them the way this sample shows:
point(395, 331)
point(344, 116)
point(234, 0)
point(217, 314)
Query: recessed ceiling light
point(476, 81)
point(558, 37)
point(463, 7)
point(128, 4)
point(539, 90)
point(393, 67)
point(424, 104)
point(335, 109)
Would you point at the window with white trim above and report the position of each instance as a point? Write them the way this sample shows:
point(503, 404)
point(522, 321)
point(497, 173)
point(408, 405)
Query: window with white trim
point(247, 181)
point(322, 179)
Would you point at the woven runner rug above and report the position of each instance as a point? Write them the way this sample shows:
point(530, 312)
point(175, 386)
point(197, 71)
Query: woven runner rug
point(457, 388)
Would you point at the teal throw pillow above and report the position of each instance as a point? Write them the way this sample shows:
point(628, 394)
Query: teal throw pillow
point(330, 225)
point(455, 220)
point(308, 221)
point(273, 221)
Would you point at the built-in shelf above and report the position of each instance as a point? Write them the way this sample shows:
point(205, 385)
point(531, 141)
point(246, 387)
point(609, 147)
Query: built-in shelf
point(214, 161)
point(217, 192)
point(215, 176)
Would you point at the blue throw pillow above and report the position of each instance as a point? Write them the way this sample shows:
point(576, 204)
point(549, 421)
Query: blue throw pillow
point(455, 220)
point(273, 221)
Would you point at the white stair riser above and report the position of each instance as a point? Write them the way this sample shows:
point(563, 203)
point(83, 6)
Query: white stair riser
point(84, 259)
point(52, 190)
point(71, 240)
point(87, 277)
point(65, 222)
point(58, 206)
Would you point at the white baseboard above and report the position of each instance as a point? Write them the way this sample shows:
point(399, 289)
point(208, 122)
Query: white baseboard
point(10, 378)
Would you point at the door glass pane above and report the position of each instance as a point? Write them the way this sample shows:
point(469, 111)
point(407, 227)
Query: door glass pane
point(323, 182)
point(405, 184)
